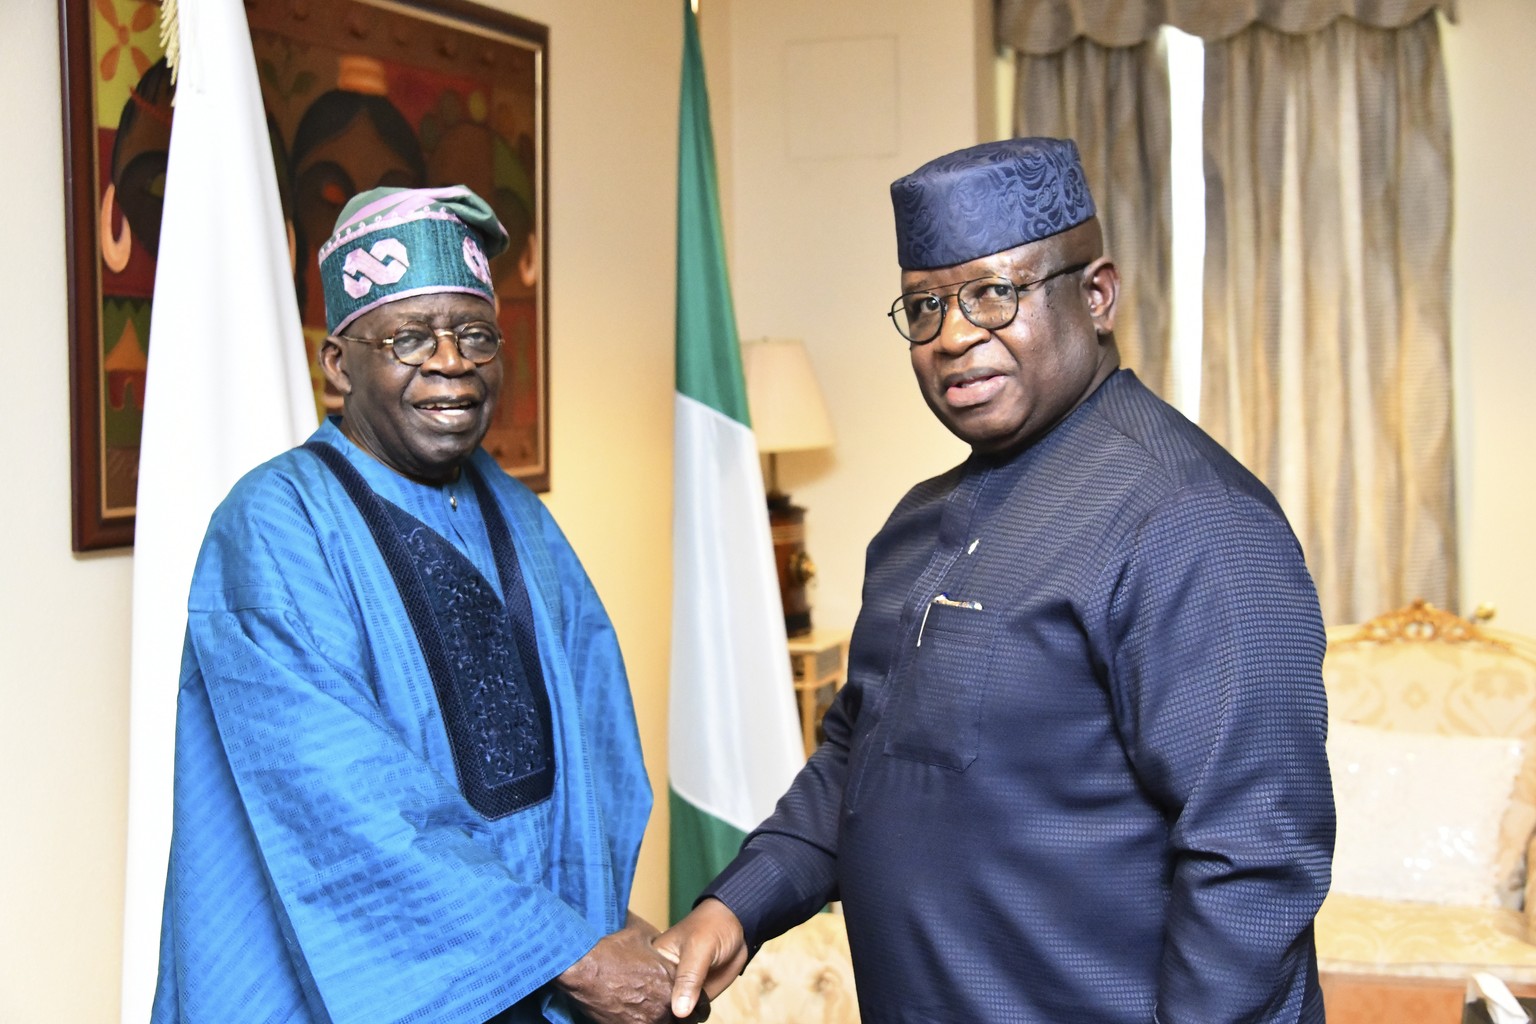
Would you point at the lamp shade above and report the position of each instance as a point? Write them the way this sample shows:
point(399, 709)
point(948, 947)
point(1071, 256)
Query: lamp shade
point(788, 414)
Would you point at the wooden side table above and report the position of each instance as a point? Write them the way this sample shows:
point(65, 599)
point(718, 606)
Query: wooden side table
point(818, 664)
point(1381, 999)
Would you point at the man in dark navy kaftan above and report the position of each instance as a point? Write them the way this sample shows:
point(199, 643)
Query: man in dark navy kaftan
point(1077, 772)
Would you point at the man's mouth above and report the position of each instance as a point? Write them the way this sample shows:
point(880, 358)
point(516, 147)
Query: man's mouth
point(974, 388)
point(450, 413)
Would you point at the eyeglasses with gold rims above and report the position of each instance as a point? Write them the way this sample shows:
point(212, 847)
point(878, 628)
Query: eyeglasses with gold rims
point(415, 343)
point(989, 302)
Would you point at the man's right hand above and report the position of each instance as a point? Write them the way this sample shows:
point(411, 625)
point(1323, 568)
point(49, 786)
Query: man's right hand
point(621, 980)
point(710, 950)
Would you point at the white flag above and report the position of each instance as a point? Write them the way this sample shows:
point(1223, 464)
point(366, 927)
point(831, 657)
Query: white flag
point(227, 389)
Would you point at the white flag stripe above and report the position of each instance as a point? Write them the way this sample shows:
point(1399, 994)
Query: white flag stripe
point(734, 740)
point(227, 388)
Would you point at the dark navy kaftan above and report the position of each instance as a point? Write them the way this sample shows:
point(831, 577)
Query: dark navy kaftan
point(1077, 772)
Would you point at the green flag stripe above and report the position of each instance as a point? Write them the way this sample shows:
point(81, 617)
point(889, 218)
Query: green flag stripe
point(710, 844)
point(708, 348)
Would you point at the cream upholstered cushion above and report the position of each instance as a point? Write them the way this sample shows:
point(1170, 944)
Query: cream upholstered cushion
point(804, 976)
point(1419, 814)
point(1470, 689)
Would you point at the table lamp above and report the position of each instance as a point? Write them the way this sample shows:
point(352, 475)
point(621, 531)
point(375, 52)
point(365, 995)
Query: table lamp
point(788, 415)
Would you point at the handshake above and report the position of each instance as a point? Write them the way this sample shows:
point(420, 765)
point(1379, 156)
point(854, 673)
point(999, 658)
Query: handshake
point(638, 975)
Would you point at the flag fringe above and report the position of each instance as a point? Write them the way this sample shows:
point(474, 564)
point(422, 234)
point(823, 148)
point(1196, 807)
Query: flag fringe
point(170, 35)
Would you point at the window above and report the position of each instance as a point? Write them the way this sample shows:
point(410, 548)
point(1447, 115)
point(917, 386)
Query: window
point(1186, 97)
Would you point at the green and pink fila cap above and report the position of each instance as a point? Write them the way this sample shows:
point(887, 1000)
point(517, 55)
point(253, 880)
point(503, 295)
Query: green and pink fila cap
point(391, 243)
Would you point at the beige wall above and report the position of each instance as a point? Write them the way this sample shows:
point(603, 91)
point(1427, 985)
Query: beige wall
point(818, 108)
point(1493, 303)
point(63, 618)
point(829, 105)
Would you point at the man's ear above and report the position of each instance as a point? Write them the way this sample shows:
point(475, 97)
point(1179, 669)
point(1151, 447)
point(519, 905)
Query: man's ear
point(1101, 283)
point(333, 363)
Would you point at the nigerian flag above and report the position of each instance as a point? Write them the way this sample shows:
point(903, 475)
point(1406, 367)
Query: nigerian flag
point(734, 738)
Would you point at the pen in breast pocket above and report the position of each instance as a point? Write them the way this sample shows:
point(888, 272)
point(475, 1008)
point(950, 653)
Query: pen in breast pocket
point(948, 602)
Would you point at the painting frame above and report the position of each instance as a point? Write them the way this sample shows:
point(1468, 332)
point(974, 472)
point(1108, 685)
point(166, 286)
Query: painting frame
point(490, 70)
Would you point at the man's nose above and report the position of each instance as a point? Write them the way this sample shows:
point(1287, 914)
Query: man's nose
point(447, 359)
point(956, 332)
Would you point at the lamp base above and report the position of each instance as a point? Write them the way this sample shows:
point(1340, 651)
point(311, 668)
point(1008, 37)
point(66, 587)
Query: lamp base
point(787, 523)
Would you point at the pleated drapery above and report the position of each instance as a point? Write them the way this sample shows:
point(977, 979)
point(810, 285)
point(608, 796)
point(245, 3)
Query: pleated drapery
point(1326, 352)
point(1114, 102)
point(1327, 282)
point(1042, 27)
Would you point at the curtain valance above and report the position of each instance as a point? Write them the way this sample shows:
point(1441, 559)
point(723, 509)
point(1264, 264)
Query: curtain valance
point(1041, 27)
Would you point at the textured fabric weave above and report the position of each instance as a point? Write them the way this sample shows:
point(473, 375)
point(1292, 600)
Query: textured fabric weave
point(1078, 771)
point(325, 864)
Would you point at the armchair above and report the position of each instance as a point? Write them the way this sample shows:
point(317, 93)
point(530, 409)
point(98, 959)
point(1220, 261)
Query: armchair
point(1432, 744)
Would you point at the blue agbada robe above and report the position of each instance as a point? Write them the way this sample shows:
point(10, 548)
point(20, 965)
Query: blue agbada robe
point(325, 862)
point(1077, 772)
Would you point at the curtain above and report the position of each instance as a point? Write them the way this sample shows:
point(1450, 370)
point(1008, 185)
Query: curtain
point(1046, 26)
point(1114, 102)
point(1326, 364)
point(1327, 356)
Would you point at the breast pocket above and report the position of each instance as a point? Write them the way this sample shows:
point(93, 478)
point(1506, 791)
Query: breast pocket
point(940, 697)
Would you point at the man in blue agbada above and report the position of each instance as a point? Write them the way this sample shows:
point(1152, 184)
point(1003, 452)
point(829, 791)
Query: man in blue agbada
point(408, 775)
point(1077, 772)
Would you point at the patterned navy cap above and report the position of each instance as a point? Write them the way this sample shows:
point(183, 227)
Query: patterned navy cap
point(982, 200)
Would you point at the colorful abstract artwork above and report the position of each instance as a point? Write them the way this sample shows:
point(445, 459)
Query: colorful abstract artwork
point(359, 93)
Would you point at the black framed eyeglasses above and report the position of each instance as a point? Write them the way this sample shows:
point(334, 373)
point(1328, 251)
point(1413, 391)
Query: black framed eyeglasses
point(989, 302)
point(415, 343)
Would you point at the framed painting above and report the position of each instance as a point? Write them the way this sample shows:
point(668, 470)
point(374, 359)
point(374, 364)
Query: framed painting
point(358, 93)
